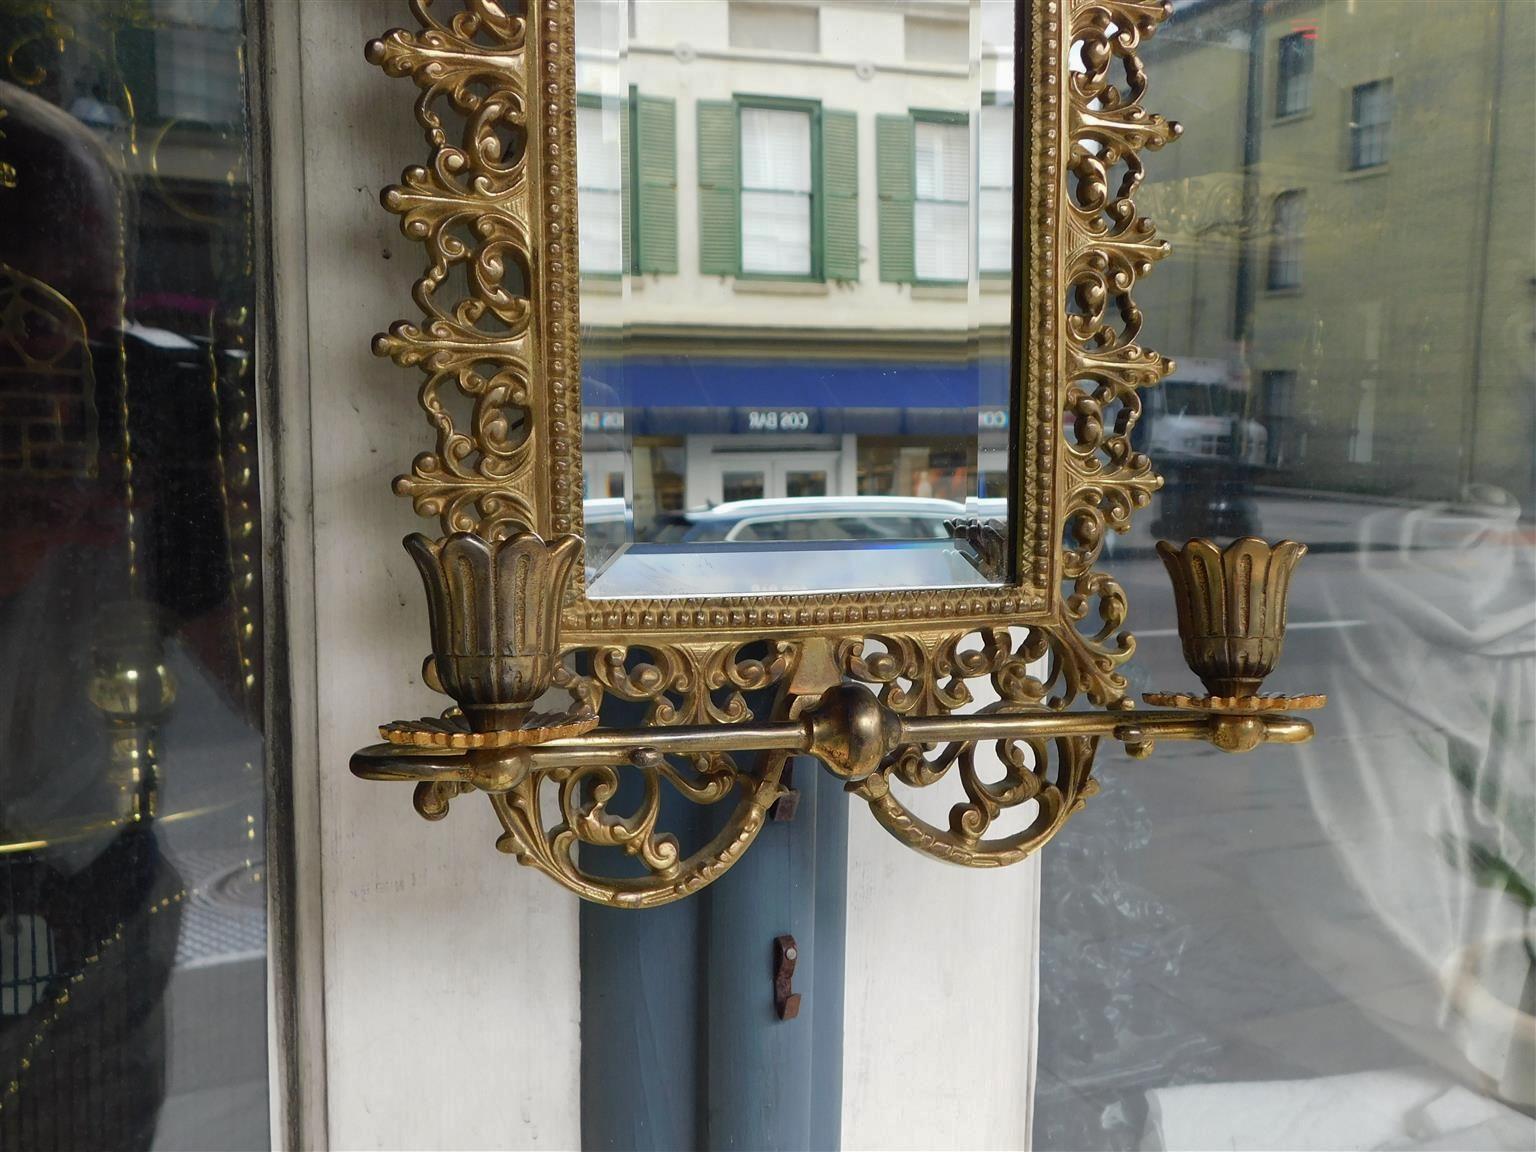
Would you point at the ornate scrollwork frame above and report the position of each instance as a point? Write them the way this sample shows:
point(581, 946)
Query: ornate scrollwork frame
point(496, 202)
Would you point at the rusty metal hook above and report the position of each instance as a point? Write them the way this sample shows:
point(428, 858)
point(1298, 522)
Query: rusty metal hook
point(786, 1001)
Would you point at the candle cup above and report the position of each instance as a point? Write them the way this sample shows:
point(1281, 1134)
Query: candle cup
point(1231, 608)
point(495, 610)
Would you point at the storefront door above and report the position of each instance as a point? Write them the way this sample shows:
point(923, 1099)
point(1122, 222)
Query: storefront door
point(604, 474)
point(771, 476)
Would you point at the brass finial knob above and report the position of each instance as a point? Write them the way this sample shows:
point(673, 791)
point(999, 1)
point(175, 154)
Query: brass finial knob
point(851, 731)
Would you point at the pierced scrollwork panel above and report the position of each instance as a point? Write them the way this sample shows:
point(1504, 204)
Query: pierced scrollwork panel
point(1028, 670)
point(593, 813)
point(928, 674)
point(686, 683)
point(1054, 776)
point(472, 208)
point(676, 685)
point(585, 796)
point(1110, 246)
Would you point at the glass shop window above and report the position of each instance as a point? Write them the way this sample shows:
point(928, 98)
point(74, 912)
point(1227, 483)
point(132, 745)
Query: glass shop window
point(932, 466)
point(133, 929)
point(1332, 946)
point(663, 461)
point(738, 485)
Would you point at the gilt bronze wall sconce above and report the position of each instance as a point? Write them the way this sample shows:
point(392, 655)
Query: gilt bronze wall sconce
point(871, 678)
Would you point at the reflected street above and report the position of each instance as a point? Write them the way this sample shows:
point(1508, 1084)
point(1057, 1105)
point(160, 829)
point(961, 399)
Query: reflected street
point(1285, 916)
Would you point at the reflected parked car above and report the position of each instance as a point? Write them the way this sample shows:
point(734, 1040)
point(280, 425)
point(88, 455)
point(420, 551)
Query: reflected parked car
point(812, 518)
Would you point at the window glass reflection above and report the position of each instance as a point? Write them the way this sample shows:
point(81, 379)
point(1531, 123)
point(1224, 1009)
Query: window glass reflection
point(1328, 946)
point(132, 892)
point(942, 165)
point(776, 197)
point(600, 163)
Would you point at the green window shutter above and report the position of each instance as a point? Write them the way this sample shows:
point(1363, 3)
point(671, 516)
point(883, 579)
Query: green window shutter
point(719, 193)
point(840, 195)
point(627, 241)
point(895, 183)
point(656, 188)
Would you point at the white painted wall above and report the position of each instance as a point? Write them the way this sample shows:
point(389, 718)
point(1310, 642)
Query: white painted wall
point(943, 988)
point(450, 973)
point(943, 983)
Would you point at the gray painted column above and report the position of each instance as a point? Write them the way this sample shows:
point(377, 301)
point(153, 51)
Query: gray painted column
point(681, 1044)
point(770, 1083)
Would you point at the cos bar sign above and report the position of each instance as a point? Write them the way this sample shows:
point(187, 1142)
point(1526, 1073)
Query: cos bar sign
point(778, 420)
point(800, 420)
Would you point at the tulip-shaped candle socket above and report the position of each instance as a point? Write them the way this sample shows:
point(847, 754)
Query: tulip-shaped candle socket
point(495, 610)
point(1231, 612)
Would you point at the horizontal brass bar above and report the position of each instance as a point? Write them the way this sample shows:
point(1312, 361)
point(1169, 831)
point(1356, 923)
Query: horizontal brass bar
point(618, 745)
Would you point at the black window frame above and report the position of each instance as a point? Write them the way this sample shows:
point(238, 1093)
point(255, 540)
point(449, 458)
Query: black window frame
point(1370, 144)
point(1296, 57)
point(1284, 270)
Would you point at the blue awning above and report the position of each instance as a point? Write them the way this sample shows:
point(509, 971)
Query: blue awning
point(689, 382)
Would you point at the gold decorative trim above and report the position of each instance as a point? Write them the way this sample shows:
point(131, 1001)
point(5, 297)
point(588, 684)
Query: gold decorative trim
point(498, 203)
point(486, 343)
point(1236, 704)
point(452, 731)
point(1081, 359)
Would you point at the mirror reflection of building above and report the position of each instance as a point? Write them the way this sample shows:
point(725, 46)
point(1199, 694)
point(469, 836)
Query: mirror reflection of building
point(796, 243)
point(1313, 150)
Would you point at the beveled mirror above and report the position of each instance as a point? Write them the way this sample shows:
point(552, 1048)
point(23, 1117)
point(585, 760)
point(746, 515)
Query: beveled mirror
point(783, 363)
point(796, 293)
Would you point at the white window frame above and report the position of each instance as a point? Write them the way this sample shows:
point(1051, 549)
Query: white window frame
point(600, 188)
point(942, 202)
point(765, 195)
point(994, 241)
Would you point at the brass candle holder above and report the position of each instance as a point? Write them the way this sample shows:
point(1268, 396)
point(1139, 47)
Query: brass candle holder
point(1231, 615)
point(494, 608)
point(491, 651)
point(879, 685)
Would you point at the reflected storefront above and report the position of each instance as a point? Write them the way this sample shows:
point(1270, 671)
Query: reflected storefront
point(846, 428)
